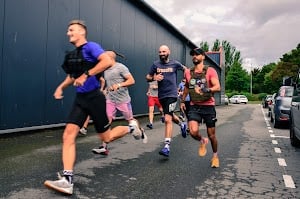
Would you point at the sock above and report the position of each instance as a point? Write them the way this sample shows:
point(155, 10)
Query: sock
point(104, 144)
point(131, 129)
point(215, 154)
point(167, 142)
point(68, 175)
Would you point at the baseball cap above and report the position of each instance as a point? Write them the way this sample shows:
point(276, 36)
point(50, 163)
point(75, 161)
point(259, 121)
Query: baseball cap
point(197, 51)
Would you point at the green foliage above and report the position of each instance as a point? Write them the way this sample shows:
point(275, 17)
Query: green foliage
point(204, 46)
point(266, 79)
point(237, 78)
point(216, 46)
point(260, 96)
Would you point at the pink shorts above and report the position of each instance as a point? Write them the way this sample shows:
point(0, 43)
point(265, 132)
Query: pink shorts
point(153, 101)
point(124, 108)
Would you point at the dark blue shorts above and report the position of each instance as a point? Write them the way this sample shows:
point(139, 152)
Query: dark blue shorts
point(203, 113)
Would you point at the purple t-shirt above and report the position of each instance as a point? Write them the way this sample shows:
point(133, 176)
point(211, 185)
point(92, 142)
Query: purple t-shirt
point(168, 86)
point(91, 52)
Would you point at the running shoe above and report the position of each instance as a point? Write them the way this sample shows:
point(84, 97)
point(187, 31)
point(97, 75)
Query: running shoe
point(136, 129)
point(162, 119)
point(164, 152)
point(187, 131)
point(101, 150)
point(83, 131)
point(215, 163)
point(150, 126)
point(183, 130)
point(144, 136)
point(60, 185)
point(181, 117)
point(202, 148)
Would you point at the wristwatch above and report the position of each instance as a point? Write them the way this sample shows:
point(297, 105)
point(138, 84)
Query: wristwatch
point(87, 73)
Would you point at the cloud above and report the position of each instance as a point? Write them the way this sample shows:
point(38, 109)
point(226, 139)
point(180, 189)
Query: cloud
point(261, 30)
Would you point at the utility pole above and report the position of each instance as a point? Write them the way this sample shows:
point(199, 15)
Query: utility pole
point(251, 82)
point(251, 79)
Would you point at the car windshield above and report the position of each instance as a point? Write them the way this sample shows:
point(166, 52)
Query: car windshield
point(287, 92)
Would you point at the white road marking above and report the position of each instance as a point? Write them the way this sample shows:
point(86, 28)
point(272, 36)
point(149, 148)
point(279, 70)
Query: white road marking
point(269, 128)
point(277, 150)
point(274, 142)
point(288, 181)
point(281, 162)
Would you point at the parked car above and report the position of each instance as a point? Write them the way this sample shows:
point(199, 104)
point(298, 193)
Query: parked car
point(281, 106)
point(226, 100)
point(271, 103)
point(238, 99)
point(295, 114)
point(266, 100)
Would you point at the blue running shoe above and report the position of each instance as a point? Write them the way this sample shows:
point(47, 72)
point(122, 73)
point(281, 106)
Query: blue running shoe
point(150, 126)
point(164, 152)
point(162, 119)
point(183, 129)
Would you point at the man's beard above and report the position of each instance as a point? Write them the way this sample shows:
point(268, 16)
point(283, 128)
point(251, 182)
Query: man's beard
point(164, 58)
point(196, 61)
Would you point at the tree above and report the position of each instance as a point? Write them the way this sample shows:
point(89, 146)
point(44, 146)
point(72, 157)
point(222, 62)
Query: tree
point(204, 46)
point(216, 46)
point(284, 69)
point(231, 55)
point(270, 85)
point(237, 79)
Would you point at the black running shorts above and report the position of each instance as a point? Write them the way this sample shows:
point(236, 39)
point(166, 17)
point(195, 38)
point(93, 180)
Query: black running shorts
point(204, 113)
point(93, 104)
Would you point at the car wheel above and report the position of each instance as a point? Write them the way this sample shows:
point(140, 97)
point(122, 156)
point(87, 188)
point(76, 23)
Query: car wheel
point(271, 118)
point(276, 123)
point(294, 140)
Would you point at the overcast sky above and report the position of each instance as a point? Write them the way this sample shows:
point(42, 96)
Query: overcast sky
point(262, 30)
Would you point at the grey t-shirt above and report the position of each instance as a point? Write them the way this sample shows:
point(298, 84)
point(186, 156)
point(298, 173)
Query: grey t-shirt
point(153, 89)
point(116, 75)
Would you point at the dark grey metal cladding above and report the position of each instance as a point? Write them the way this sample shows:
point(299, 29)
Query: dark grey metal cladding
point(33, 43)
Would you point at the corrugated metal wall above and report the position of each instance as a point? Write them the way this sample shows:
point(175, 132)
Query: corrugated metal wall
point(33, 41)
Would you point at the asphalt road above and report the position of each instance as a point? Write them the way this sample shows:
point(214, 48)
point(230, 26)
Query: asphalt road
point(248, 163)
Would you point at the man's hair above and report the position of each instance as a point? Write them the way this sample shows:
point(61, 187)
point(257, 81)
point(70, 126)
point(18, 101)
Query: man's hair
point(79, 22)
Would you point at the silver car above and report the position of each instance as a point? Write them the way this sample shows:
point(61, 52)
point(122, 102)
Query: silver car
point(280, 107)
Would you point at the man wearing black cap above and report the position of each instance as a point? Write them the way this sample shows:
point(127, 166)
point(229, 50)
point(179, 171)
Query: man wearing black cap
point(201, 82)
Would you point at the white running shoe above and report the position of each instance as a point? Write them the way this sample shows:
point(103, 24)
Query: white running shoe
point(60, 185)
point(144, 136)
point(101, 150)
point(136, 132)
point(83, 131)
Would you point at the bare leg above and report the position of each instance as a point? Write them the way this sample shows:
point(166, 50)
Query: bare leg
point(211, 132)
point(113, 134)
point(168, 126)
point(69, 146)
point(151, 115)
point(86, 123)
point(194, 130)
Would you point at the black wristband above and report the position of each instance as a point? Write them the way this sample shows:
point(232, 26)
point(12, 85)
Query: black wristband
point(87, 73)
